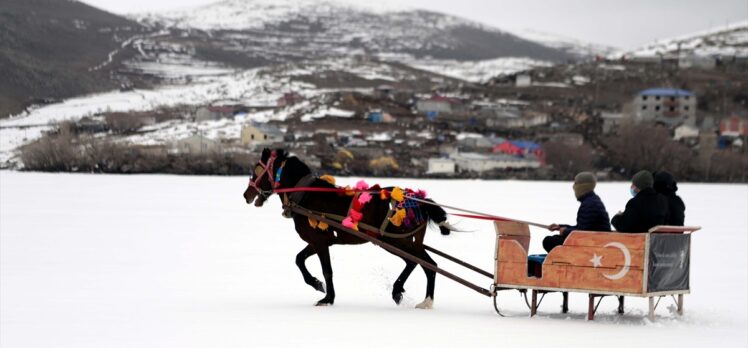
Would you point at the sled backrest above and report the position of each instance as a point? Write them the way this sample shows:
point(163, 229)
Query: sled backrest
point(511, 230)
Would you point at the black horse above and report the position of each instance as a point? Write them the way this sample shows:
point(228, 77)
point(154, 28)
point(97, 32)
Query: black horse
point(277, 170)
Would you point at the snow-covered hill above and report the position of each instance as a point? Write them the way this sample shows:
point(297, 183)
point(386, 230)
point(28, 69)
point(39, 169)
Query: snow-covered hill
point(259, 87)
point(726, 41)
point(567, 44)
point(286, 29)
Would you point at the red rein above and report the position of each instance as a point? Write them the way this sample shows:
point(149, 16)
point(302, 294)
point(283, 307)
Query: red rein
point(268, 169)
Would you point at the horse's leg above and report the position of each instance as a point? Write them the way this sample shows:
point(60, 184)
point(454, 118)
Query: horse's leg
point(397, 287)
point(428, 302)
point(323, 251)
point(301, 263)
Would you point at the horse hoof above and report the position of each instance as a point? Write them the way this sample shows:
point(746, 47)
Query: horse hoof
point(427, 303)
point(398, 297)
point(324, 302)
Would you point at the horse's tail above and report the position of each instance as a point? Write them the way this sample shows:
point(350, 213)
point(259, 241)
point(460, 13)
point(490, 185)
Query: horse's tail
point(438, 216)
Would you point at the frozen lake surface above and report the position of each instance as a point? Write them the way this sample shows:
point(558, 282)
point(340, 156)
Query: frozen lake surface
point(182, 261)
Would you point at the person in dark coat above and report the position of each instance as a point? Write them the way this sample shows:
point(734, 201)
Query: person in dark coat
point(646, 210)
point(591, 215)
point(665, 184)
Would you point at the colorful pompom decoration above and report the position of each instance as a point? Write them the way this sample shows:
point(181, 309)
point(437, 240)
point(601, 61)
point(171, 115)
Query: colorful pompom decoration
point(364, 198)
point(329, 178)
point(384, 195)
point(318, 224)
point(348, 222)
point(349, 191)
point(362, 185)
point(397, 218)
point(397, 194)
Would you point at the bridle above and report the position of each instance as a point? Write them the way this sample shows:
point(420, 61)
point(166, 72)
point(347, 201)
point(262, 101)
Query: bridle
point(267, 168)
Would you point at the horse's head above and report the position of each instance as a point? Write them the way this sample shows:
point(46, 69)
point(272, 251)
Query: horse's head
point(263, 180)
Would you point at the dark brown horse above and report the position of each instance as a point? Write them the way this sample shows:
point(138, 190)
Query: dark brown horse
point(277, 170)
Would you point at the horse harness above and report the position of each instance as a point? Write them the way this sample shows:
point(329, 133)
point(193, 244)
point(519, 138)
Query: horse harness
point(293, 200)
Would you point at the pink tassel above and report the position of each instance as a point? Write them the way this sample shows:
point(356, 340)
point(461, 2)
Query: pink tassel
point(348, 223)
point(355, 216)
point(362, 185)
point(364, 198)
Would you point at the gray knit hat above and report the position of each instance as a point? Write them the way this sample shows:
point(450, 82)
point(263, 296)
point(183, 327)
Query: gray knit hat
point(585, 178)
point(584, 182)
point(643, 180)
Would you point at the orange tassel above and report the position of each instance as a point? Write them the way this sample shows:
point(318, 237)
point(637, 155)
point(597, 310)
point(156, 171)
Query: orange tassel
point(384, 195)
point(329, 178)
point(397, 194)
point(397, 218)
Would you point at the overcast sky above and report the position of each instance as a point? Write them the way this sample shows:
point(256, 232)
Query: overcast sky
point(624, 24)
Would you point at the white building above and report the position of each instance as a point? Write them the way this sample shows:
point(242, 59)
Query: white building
point(697, 61)
point(611, 121)
point(255, 134)
point(686, 131)
point(195, 144)
point(668, 106)
point(441, 166)
point(439, 104)
point(474, 162)
point(523, 80)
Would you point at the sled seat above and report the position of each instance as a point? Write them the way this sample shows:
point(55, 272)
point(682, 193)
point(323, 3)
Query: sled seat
point(538, 258)
point(535, 265)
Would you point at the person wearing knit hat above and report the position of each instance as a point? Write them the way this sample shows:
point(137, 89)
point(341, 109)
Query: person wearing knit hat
point(645, 210)
point(591, 215)
point(664, 184)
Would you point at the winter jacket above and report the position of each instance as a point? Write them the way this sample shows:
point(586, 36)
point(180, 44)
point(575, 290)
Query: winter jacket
point(664, 184)
point(646, 210)
point(591, 215)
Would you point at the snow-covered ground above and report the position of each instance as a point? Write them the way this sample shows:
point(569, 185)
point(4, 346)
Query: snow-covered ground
point(180, 261)
point(478, 71)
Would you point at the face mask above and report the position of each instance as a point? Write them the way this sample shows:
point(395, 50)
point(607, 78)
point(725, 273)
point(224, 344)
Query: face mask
point(633, 191)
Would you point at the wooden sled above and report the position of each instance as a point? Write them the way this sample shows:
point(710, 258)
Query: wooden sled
point(652, 265)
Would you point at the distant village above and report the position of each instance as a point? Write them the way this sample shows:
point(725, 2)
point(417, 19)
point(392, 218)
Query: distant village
point(510, 126)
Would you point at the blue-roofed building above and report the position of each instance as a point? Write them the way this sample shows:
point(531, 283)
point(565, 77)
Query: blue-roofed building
point(668, 106)
point(667, 92)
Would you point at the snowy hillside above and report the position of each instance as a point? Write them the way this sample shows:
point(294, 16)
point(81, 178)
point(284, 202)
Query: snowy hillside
point(726, 41)
point(284, 30)
point(179, 261)
point(253, 14)
point(570, 45)
point(259, 87)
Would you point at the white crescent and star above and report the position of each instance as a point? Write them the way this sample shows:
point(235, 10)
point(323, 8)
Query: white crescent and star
point(597, 261)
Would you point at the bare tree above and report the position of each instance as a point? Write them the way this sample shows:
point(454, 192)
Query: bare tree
point(568, 160)
point(639, 147)
point(122, 123)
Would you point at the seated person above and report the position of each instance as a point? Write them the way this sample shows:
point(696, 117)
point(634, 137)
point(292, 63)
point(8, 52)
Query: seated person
point(665, 184)
point(646, 210)
point(591, 216)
